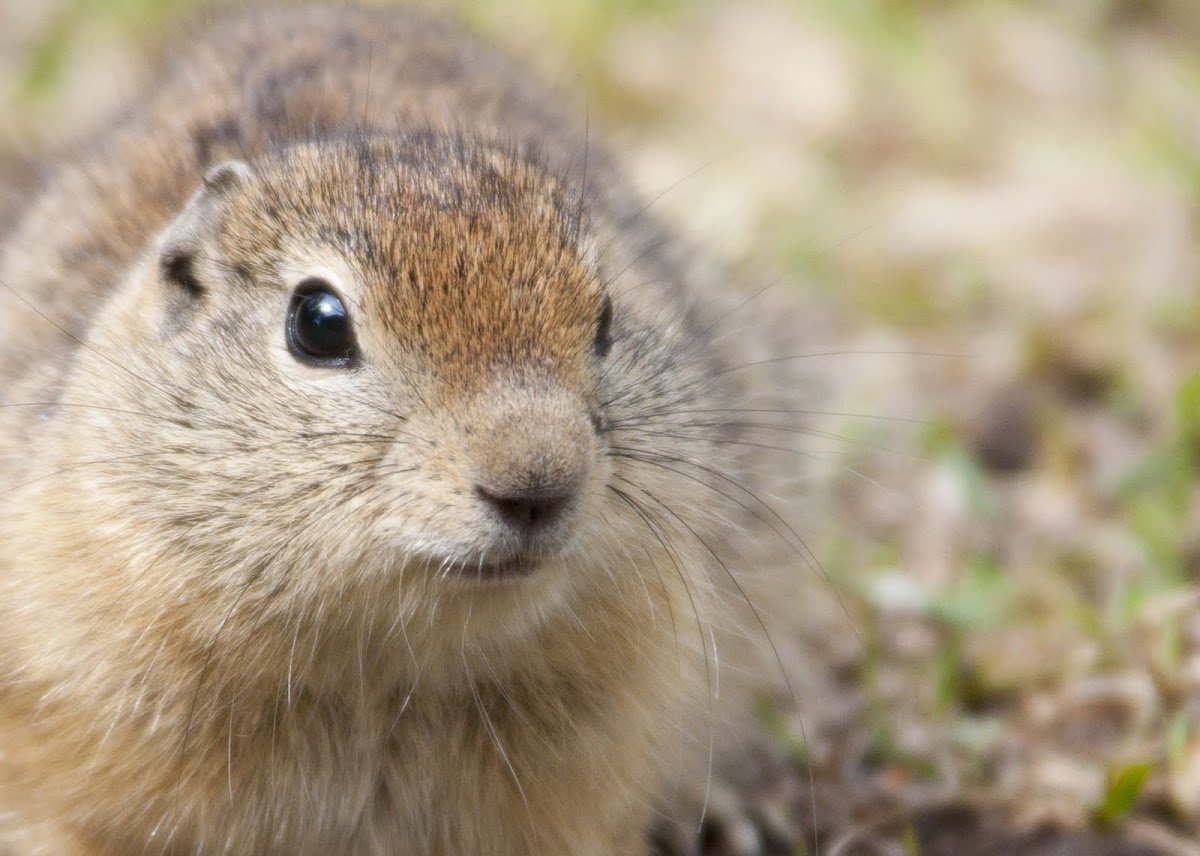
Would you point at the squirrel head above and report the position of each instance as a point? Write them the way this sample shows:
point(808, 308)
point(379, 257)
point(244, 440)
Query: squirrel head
point(387, 365)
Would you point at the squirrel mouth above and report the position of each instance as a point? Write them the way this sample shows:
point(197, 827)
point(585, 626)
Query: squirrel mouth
point(510, 567)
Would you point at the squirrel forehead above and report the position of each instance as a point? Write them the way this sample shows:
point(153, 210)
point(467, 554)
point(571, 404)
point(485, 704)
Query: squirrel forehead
point(466, 252)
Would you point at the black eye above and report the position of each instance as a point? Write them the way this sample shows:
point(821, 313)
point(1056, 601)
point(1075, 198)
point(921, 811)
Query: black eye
point(318, 329)
point(603, 326)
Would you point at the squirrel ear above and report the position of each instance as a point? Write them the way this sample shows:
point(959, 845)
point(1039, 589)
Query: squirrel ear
point(227, 176)
point(183, 238)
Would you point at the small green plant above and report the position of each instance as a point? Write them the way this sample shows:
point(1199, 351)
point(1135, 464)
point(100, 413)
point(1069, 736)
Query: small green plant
point(1124, 785)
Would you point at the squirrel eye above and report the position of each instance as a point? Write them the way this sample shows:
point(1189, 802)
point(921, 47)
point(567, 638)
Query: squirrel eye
point(603, 341)
point(318, 326)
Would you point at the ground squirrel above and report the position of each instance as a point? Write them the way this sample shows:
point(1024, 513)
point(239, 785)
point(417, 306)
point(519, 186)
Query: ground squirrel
point(374, 477)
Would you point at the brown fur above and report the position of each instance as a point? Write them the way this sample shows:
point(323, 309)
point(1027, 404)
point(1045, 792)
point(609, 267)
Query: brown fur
point(244, 604)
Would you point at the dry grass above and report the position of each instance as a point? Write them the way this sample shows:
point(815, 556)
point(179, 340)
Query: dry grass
point(1000, 199)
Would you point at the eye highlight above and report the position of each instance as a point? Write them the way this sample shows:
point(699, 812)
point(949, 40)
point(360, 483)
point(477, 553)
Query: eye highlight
point(318, 326)
point(603, 341)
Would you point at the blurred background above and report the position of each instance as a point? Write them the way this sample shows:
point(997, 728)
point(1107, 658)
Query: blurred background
point(998, 201)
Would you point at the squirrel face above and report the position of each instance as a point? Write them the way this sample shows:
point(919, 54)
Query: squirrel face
point(382, 361)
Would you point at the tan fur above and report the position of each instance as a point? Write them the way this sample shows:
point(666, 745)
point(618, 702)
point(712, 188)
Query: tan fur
point(243, 600)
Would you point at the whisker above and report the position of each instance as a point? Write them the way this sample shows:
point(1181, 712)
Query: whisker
point(787, 412)
point(663, 461)
point(81, 343)
point(823, 354)
point(708, 667)
point(487, 722)
point(757, 617)
point(204, 671)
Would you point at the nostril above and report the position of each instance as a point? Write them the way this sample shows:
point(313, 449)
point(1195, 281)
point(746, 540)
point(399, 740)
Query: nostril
point(525, 510)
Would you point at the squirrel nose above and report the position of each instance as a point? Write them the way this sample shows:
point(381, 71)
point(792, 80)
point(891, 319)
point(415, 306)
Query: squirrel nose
point(531, 453)
point(525, 510)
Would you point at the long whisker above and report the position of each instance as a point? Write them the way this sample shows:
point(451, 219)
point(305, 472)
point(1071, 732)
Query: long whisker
point(709, 674)
point(487, 722)
point(813, 355)
point(81, 343)
point(804, 550)
point(252, 578)
point(757, 617)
